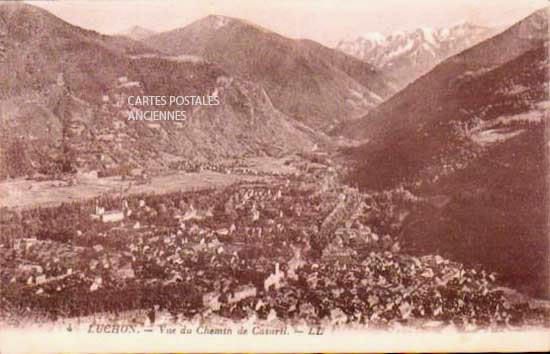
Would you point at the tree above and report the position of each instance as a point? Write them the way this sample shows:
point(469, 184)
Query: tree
point(68, 159)
point(15, 159)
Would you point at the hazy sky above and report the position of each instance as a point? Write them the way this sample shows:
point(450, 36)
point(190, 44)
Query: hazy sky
point(325, 21)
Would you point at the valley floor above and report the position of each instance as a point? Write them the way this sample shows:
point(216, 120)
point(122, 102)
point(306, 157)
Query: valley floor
point(24, 193)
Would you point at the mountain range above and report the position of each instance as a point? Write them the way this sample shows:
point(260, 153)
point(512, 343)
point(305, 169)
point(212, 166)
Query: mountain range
point(307, 81)
point(405, 56)
point(67, 95)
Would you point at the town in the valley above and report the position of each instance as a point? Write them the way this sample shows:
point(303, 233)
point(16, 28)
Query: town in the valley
point(296, 247)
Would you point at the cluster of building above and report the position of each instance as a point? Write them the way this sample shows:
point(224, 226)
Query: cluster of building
point(247, 252)
point(226, 167)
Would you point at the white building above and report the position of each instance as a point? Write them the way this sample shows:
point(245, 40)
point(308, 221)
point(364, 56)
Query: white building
point(112, 216)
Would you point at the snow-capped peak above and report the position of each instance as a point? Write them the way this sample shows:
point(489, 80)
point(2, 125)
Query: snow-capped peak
point(375, 37)
point(429, 35)
point(444, 33)
point(399, 33)
point(460, 23)
point(411, 53)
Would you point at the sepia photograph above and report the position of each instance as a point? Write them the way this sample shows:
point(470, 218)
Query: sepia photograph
point(275, 176)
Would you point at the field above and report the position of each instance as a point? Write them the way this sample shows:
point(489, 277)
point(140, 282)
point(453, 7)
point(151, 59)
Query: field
point(21, 193)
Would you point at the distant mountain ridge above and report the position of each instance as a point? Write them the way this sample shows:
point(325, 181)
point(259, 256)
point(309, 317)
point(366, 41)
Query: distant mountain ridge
point(137, 33)
point(311, 83)
point(406, 55)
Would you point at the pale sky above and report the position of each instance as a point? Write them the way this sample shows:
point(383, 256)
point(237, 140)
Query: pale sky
point(325, 21)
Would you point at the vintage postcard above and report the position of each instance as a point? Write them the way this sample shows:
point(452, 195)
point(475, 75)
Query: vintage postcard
point(274, 176)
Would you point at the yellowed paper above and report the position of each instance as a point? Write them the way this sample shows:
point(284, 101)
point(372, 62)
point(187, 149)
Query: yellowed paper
point(254, 176)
